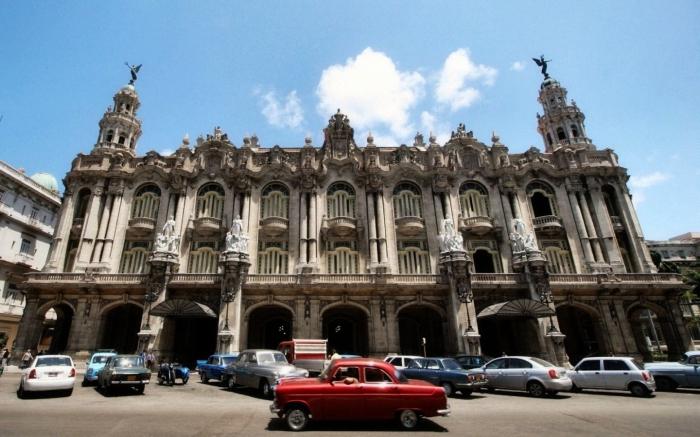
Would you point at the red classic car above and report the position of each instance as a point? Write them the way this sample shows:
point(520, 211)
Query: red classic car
point(358, 389)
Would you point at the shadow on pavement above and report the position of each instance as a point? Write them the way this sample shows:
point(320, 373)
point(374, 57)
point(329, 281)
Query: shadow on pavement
point(358, 426)
point(118, 391)
point(522, 394)
point(45, 394)
point(613, 393)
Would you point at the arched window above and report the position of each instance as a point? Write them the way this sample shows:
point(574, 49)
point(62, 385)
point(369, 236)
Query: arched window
point(473, 200)
point(122, 139)
point(146, 202)
point(204, 258)
point(407, 201)
point(574, 131)
point(110, 136)
point(273, 258)
point(210, 201)
point(134, 257)
point(558, 260)
point(484, 261)
point(413, 258)
point(341, 200)
point(560, 133)
point(275, 201)
point(342, 257)
point(82, 203)
point(610, 200)
point(542, 199)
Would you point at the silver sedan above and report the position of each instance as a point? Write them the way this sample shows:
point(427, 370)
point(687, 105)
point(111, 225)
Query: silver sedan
point(534, 375)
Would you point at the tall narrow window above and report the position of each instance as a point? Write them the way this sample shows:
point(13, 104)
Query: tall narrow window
point(273, 258)
point(342, 257)
point(26, 248)
point(134, 257)
point(413, 257)
point(407, 201)
point(204, 257)
point(560, 133)
point(210, 201)
point(341, 200)
point(275, 201)
point(473, 200)
point(146, 202)
point(542, 199)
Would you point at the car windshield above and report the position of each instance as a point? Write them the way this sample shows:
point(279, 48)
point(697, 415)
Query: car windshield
point(100, 359)
point(129, 362)
point(229, 360)
point(271, 358)
point(451, 364)
point(400, 376)
point(52, 361)
point(542, 362)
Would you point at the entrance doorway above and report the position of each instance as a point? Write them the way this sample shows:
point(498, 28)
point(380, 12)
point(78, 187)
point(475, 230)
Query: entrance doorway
point(56, 329)
point(190, 339)
point(268, 326)
point(120, 329)
point(582, 338)
point(417, 323)
point(510, 336)
point(345, 328)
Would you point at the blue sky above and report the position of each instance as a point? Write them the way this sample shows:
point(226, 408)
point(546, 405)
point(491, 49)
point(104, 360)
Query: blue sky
point(279, 69)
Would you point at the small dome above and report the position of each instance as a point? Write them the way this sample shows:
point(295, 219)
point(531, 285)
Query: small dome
point(47, 181)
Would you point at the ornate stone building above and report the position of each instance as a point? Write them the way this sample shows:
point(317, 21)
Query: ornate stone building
point(349, 242)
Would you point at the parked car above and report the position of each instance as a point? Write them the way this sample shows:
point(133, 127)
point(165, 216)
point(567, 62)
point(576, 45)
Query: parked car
point(125, 371)
point(612, 373)
point(534, 375)
point(447, 373)
point(357, 389)
point(214, 366)
point(471, 361)
point(674, 374)
point(48, 373)
point(400, 361)
point(261, 369)
point(94, 366)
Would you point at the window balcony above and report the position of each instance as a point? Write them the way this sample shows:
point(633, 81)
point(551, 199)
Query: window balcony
point(476, 225)
point(617, 223)
point(339, 226)
point(207, 225)
point(548, 224)
point(274, 226)
point(141, 225)
point(410, 226)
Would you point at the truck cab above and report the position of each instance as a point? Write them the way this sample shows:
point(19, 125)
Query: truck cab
point(309, 354)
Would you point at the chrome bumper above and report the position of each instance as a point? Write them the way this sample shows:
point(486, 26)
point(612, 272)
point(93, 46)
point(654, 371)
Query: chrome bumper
point(446, 412)
point(274, 409)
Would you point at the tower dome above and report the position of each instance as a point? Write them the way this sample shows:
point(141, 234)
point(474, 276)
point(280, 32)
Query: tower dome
point(46, 180)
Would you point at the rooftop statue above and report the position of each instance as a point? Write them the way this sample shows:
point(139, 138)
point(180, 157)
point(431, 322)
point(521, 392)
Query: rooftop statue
point(134, 69)
point(543, 64)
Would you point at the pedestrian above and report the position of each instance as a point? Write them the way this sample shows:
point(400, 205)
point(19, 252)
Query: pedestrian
point(27, 359)
point(5, 357)
point(150, 358)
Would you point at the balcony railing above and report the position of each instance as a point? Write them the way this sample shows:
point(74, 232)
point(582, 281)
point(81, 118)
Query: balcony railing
point(274, 226)
point(547, 224)
point(477, 225)
point(410, 226)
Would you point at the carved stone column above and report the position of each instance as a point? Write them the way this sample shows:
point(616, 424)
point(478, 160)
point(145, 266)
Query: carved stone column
point(454, 267)
point(580, 225)
point(372, 225)
point(303, 230)
point(588, 220)
point(58, 249)
point(162, 266)
point(235, 267)
point(313, 231)
point(90, 231)
point(102, 230)
point(29, 328)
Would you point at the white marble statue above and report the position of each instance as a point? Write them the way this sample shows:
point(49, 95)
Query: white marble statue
point(450, 240)
point(167, 240)
point(236, 239)
point(521, 240)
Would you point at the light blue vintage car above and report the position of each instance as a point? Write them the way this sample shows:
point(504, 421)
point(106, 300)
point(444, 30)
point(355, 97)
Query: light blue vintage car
point(683, 373)
point(94, 366)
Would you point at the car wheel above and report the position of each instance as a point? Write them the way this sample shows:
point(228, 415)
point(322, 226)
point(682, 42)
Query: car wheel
point(638, 390)
point(448, 388)
point(265, 389)
point(184, 380)
point(408, 419)
point(68, 392)
point(297, 418)
point(203, 377)
point(140, 388)
point(21, 393)
point(665, 384)
point(576, 389)
point(230, 383)
point(535, 389)
point(551, 394)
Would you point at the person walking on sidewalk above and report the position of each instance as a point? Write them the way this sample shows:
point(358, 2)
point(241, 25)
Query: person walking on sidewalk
point(27, 358)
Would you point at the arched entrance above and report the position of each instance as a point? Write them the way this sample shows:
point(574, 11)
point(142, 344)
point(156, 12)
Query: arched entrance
point(268, 326)
point(582, 334)
point(120, 327)
point(55, 329)
point(651, 333)
point(511, 328)
point(417, 322)
point(345, 327)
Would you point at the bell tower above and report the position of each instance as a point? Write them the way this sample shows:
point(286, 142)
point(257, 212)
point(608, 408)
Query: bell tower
point(119, 127)
point(562, 122)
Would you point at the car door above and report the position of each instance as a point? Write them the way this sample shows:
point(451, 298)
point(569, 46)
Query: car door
point(344, 398)
point(241, 369)
point(588, 374)
point(494, 372)
point(517, 373)
point(382, 395)
point(693, 371)
point(433, 371)
point(107, 370)
point(216, 367)
point(617, 374)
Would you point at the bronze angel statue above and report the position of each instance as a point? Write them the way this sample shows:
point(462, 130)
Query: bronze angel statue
point(134, 70)
point(542, 63)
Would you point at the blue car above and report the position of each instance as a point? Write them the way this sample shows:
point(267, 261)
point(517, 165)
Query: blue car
point(94, 366)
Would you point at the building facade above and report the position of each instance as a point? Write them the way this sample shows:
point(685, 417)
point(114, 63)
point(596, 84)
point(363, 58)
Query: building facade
point(28, 212)
point(345, 244)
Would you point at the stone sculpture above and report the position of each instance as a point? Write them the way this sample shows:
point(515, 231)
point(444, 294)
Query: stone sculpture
point(167, 240)
point(542, 63)
point(521, 240)
point(236, 239)
point(450, 240)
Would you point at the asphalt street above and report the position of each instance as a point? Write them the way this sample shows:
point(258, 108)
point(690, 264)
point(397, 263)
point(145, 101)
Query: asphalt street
point(198, 409)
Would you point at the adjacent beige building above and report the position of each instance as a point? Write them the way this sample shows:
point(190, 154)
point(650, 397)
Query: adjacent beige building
point(343, 245)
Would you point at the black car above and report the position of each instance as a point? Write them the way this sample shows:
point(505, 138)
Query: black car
point(471, 361)
point(124, 371)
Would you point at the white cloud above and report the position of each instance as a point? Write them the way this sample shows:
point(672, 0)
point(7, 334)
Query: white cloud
point(517, 66)
point(372, 92)
point(282, 114)
point(166, 152)
point(457, 80)
point(639, 184)
point(430, 124)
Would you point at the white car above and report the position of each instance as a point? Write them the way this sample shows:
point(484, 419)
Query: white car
point(48, 373)
point(400, 361)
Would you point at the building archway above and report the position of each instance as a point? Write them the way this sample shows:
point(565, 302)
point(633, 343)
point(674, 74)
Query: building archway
point(268, 326)
point(512, 335)
point(345, 327)
point(417, 322)
point(55, 329)
point(120, 327)
point(583, 333)
point(653, 333)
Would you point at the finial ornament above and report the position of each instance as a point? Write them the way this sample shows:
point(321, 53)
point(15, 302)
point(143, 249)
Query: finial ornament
point(134, 69)
point(542, 63)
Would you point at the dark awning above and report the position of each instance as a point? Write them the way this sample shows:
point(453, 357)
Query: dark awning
point(517, 308)
point(182, 308)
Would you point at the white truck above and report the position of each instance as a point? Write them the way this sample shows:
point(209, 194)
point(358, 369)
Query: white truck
point(309, 354)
